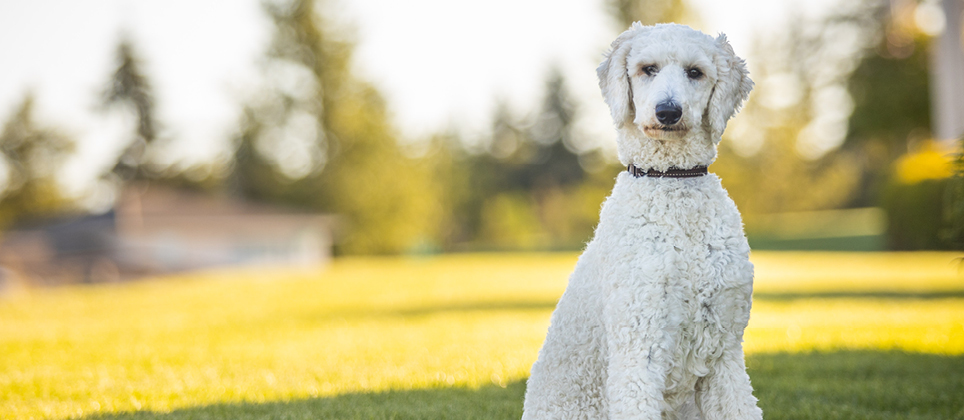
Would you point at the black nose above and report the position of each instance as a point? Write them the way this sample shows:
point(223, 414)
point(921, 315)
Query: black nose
point(668, 113)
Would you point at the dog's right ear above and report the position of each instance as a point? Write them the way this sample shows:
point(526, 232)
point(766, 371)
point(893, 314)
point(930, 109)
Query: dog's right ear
point(732, 87)
point(614, 77)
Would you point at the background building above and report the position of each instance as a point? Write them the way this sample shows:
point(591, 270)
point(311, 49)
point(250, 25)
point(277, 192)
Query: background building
point(156, 229)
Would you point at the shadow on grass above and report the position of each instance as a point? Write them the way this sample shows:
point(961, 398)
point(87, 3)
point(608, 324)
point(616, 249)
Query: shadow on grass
point(488, 402)
point(439, 309)
point(548, 305)
point(835, 385)
point(524, 305)
point(948, 294)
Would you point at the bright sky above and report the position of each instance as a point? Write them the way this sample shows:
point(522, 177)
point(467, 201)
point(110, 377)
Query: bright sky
point(440, 63)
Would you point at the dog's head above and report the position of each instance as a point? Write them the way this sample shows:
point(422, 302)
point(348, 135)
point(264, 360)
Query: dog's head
point(671, 82)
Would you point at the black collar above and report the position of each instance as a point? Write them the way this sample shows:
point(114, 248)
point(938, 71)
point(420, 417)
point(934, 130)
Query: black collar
point(671, 173)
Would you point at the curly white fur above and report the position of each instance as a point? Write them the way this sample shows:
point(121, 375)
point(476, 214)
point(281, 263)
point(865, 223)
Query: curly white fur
point(651, 324)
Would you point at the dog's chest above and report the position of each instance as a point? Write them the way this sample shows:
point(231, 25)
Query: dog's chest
point(679, 246)
point(684, 220)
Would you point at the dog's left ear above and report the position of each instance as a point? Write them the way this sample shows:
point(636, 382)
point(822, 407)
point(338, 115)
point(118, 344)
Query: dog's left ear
point(733, 85)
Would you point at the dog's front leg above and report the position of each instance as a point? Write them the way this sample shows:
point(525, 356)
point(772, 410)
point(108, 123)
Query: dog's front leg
point(638, 344)
point(726, 394)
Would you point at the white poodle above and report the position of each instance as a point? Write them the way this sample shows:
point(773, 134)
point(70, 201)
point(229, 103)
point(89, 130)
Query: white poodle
point(651, 324)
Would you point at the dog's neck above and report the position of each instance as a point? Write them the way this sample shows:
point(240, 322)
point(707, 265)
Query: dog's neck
point(635, 148)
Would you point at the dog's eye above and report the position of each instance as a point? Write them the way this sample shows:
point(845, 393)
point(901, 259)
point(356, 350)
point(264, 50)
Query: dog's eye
point(694, 73)
point(650, 70)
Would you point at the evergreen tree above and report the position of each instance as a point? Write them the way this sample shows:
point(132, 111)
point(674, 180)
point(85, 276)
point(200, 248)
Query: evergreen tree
point(557, 163)
point(32, 155)
point(130, 88)
point(527, 191)
point(534, 154)
point(252, 175)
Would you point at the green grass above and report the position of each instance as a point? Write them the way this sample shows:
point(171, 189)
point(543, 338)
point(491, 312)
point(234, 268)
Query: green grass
point(831, 336)
point(857, 385)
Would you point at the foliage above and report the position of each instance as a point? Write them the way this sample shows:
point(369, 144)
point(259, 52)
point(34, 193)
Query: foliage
point(891, 94)
point(891, 100)
point(777, 179)
point(953, 233)
point(130, 88)
point(773, 157)
point(534, 185)
point(648, 12)
point(366, 333)
point(928, 162)
point(320, 139)
point(915, 214)
point(916, 200)
point(900, 170)
point(837, 102)
point(32, 155)
point(252, 174)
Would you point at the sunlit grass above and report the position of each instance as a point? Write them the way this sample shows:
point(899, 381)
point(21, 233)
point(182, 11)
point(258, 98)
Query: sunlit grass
point(925, 326)
point(371, 324)
point(815, 272)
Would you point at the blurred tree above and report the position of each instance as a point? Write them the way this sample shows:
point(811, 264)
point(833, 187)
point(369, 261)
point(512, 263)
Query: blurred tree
point(321, 139)
point(798, 105)
point(920, 201)
point(648, 12)
point(252, 175)
point(32, 155)
point(838, 102)
point(538, 153)
point(130, 88)
point(529, 189)
point(891, 101)
point(891, 126)
point(891, 96)
point(953, 233)
point(556, 162)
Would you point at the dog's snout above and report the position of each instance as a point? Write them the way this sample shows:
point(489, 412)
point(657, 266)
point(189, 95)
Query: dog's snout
point(668, 113)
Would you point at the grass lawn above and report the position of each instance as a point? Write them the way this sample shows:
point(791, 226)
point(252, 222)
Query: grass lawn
point(831, 336)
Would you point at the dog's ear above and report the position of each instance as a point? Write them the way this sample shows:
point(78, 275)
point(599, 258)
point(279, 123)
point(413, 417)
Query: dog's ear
point(733, 85)
point(614, 77)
